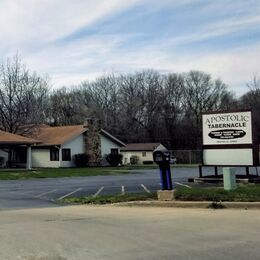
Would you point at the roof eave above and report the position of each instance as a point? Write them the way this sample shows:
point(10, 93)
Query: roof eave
point(18, 143)
point(111, 137)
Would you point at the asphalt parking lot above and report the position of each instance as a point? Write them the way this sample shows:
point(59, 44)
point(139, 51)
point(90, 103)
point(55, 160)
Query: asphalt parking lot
point(47, 192)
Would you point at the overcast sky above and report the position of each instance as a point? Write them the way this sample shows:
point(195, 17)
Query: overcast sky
point(75, 40)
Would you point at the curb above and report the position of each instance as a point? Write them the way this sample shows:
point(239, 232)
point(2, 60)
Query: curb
point(192, 204)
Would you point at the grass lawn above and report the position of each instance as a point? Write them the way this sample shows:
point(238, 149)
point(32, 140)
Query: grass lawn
point(244, 193)
point(108, 199)
point(61, 172)
point(15, 174)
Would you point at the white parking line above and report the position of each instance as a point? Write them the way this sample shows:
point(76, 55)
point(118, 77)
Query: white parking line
point(42, 194)
point(96, 194)
point(27, 192)
point(22, 193)
point(145, 188)
point(187, 186)
point(123, 190)
point(60, 198)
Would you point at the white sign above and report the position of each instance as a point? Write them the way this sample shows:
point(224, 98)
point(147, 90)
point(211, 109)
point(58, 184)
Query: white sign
point(227, 128)
point(228, 156)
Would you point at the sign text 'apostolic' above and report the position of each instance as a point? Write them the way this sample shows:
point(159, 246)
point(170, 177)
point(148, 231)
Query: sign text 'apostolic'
point(227, 128)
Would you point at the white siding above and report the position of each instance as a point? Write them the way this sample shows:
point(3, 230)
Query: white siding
point(41, 158)
point(148, 155)
point(5, 155)
point(106, 145)
point(127, 155)
point(77, 146)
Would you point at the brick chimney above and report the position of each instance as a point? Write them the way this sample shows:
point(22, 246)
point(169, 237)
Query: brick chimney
point(92, 141)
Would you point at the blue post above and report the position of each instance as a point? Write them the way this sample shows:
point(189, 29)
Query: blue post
point(162, 178)
point(169, 179)
point(162, 158)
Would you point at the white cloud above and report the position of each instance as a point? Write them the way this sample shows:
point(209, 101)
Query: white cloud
point(235, 68)
point(78, 60)
point(32, 23)
point(32, 27)
point(87, 59)
point(216, 29)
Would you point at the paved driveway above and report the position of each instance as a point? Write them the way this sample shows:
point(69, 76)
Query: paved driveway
point(122, 233)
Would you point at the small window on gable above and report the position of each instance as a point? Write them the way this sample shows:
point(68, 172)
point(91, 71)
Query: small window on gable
point(144, 154)
point(66, 155)
point(54, 154)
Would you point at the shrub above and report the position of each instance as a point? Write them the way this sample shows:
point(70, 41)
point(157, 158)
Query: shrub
point(147, 162)
point(134, 159)
point(80, 159)
point(114, 159)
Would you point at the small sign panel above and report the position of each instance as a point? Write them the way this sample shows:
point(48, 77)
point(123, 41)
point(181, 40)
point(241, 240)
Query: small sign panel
point(228, 156)
point(227, 128)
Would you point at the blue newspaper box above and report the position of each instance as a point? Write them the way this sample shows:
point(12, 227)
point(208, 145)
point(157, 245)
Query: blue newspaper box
point(162, 158)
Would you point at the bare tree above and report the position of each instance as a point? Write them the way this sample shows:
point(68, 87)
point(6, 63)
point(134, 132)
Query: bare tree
point(132, 103)
point(251, 100)
point(201, 94)
point(254, 84)
point(173, 109)
point(23, 96)
point(66, 107)
point(104, 99)
point(145, 106)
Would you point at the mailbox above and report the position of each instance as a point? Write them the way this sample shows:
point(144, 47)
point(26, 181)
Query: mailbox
point(162, 158)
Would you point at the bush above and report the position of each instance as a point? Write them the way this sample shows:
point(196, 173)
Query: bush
point(80, 159)
point(114, 159)
point(134, 159)
point(147, 162)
